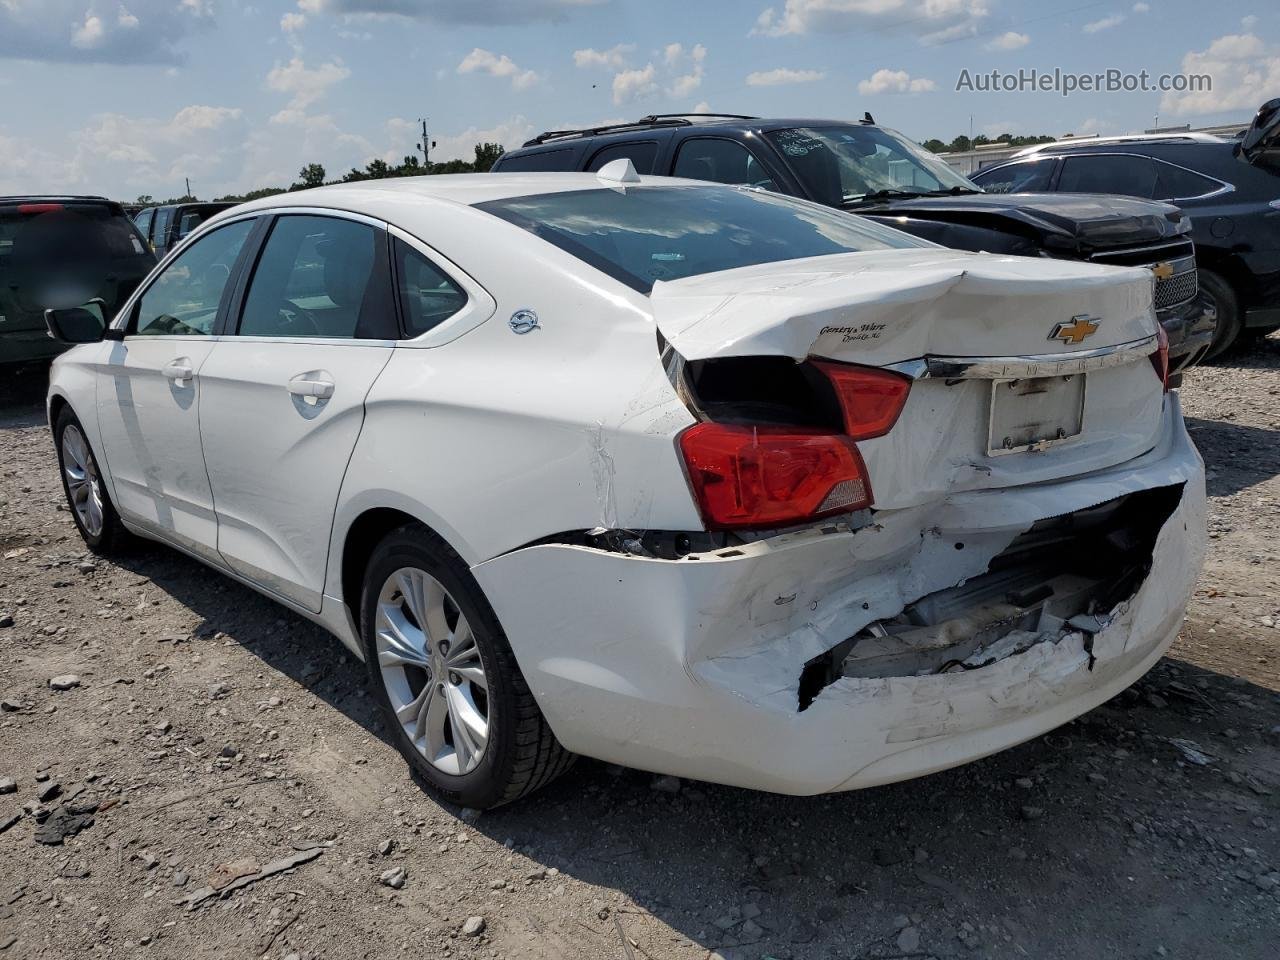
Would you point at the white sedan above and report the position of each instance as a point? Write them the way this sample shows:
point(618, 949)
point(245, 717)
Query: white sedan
point(696, 479)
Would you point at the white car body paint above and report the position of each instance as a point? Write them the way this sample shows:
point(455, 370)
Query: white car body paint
point(498, 441)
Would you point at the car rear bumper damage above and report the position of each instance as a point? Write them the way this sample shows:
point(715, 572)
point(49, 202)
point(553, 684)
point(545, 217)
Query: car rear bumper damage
point(834, 658)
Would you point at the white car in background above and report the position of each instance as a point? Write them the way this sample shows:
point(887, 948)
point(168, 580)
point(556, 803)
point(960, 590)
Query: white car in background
point(696, 479)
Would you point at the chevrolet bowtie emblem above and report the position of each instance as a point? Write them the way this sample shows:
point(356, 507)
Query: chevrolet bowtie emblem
point(1163, 270)
point(1075, 329)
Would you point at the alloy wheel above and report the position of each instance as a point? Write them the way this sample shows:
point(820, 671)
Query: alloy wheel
point(84, 487)
point(432, 670)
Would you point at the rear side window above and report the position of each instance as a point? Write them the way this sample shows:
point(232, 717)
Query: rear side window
point(1178, 183)
point(143, 221)
point(645, 234)
point(184, 299)
point(538, 162)
point(722, 161)
point(320, 277)
point(1128, 176)
point(428, 297)
point(643, 154)
point(160, 229)
point(189, 219)
point(1030, 176)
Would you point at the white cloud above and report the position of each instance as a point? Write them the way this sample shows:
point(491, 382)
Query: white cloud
point(671, 52)
point(1245, 71)
point(1009, 41)
point(932, 21)
point(702, 107)
point(486, 61)
point(1142, 8)
point(782, 75)
point(1106, 23)
point(305, 85)
point(487, 13)
point(615, 58)
point(293, 22)
point(631, 84)
point(1249, 22)
point(894, 81)
point(126, 20)
point(89, 34)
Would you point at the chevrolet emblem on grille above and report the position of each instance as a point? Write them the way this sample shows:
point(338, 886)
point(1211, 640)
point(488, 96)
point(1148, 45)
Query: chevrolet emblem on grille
point(1075, 329)
point(1162, 270)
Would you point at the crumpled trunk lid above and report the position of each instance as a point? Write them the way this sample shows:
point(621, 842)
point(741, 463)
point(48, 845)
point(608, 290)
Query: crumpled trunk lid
point(1009, 386)
point(889, 306)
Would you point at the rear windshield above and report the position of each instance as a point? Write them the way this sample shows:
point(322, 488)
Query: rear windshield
point(645, 234)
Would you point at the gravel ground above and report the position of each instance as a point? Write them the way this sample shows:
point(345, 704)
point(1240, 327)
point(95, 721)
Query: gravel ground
point(208, 735)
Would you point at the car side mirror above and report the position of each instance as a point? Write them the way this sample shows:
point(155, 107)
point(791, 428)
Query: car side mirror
point(83, 324)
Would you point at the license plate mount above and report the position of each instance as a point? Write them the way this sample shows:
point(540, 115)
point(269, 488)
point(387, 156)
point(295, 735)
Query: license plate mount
point(1035, 413)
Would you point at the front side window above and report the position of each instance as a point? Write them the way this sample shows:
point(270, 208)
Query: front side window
point(144, 221)
point(848, 163)
point(1127, 176)
point(160, 229)
point(184, 299)
point(643, 154)
point(1029, 176)
point(428, 296)
point(721, 161)
point(642, 235)
point(319, 277)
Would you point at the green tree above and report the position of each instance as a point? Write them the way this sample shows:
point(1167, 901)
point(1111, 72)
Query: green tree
point(312, 175)
point(934, 145)
point(487, 155)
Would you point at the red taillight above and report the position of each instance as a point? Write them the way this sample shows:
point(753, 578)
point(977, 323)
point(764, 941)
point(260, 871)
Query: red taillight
point(766, 476)
point(870, 399)
point(1160, 359)
point(31, 209)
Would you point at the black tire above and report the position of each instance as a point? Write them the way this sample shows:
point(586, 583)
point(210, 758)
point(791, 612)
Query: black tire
point(1229, 319)
point(113, 537)
point(521, 754)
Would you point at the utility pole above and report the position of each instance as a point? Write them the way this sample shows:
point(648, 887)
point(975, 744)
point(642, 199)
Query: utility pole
point(188, 182)
point(425, 145)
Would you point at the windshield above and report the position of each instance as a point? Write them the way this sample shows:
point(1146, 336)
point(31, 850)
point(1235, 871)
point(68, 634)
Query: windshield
point(642, 235)
point(846, 163)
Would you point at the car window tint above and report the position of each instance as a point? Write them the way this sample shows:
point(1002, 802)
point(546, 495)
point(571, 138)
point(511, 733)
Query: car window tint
point(643, 155)
point(319, 277)
point(537, 162)
point(427, 296)
point(143, 221)
point(184, 299)
point(1026, 177)
point(722, 161)
point(190, 219)
point(651, 233)
point(160, 229)
point(1178, 183)
point(1125, 175)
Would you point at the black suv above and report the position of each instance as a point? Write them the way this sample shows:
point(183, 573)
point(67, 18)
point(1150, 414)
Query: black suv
point(1230, 188)
point(166, 226)
point(58, 252)
point(880, 174)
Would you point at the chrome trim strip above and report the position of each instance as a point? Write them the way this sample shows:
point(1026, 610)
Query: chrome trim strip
point(1033, 365)
point(1184, 240)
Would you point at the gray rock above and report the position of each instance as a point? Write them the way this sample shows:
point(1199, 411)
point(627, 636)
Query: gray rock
point(64, 681)
point(473, 927)
point(386, 846)
point(665, 784)
point(180, 878)
point(393, 878)
point(1024, 783)
point(10, 706)
point(1029, 812)
point(8, 785)
point(468, 815)
point(750, 932)
point(909, 940)
point(49, 791)
point(5, 621)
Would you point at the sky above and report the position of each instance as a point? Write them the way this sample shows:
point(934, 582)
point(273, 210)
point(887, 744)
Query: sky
point(129, 97)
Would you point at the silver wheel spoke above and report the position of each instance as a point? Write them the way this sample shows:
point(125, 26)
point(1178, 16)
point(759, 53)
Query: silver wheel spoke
point(447, 717)
point(83, 488)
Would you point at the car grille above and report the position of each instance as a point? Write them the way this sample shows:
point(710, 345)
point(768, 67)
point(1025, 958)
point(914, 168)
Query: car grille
point(1174, 290)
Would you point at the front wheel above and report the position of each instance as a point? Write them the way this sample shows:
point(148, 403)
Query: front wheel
point(457, 705)
point(91, 507)
point(1228, 307)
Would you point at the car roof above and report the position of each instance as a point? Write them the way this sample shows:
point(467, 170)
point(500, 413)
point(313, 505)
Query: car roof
point(1137, 140)
point(691, 123)
point(467, 189)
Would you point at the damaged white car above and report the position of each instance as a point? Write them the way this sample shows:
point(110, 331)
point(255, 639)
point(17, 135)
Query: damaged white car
point(695, 479)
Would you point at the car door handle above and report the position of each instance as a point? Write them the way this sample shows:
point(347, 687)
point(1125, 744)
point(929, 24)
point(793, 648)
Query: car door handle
point(302, 386)
point(179, 369)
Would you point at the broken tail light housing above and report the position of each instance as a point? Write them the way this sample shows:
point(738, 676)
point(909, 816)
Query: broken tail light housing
point(1160, 359)
point(871, 399)
point(749, 476)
